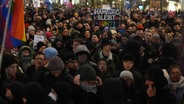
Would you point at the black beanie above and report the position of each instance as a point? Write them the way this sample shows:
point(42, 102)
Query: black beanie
point(128, 56)
point(105, 42)
point(39, 45)
point(7, 60)
point(87, 73)
point(69, 57)
point(155, 74)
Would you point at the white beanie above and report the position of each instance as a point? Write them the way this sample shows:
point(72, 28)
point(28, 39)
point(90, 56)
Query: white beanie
point(126, 73)
point(48, 22)
point(113, 32)
point(82, 48)
point(30, 28)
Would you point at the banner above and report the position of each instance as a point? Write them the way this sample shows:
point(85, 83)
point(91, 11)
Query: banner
point(15, 28)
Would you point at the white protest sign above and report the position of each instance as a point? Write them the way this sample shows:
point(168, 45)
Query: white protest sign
point(37, 38)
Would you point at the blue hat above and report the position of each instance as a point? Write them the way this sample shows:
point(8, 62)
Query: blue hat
point(122, 31)
point(50, 52)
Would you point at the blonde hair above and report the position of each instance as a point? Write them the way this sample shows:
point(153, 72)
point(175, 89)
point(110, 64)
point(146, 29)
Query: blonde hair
point(147, 30)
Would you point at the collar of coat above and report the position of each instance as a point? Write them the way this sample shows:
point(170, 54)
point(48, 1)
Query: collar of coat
point(109, 56)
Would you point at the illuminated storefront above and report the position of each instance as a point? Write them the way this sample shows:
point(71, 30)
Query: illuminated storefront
point(171, 5)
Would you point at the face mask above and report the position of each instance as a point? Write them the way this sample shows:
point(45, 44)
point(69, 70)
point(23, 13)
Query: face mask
point(88, 87)
point(25, 57)
point(48, 29)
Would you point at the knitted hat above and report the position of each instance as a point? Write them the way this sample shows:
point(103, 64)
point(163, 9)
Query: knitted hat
point(48, 35)
point(87, 73)
point(113, 32)
point(155, 74)
point(39, 45)
point(105, 42)
point(82, 48)
point(55, 64)
point(122, 31)
point(48, 22)
point(156, 36)
point(69, 57)
point(171, 13)
point(140, 27)
point(126, 73)
point(31, 28)
point(8, 59)
point(50, 52)
point(128, 56)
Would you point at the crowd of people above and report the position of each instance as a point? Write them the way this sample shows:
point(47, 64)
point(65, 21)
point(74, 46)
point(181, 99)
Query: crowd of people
point(80, 62)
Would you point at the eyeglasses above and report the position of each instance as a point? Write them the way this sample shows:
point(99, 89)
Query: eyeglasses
point(39, 59)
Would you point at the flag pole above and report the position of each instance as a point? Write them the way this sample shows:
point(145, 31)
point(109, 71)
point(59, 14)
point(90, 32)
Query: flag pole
point(5, 32)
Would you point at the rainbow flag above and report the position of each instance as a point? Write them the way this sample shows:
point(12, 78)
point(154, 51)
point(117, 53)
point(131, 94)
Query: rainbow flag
point(16, 27)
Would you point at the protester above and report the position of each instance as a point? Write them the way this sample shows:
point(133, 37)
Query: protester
point(57, 73)
point(25, 55)
point(83, 56)
point(88, 90)
point(102, 70)
point(112, 59)
point(14, 92)
point(37, 70)
point(158, 91)
point(133, 95)
point(10, 72)
point(40, 47)
point(176, 81)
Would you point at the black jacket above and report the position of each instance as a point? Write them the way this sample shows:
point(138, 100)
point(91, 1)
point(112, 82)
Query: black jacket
point(162, 97)
point(83, 97)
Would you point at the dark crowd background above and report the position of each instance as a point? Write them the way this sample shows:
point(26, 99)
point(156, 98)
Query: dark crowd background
point(80, 62)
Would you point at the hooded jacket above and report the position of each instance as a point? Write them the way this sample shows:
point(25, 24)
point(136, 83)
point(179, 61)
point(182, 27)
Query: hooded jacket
point(25, 62)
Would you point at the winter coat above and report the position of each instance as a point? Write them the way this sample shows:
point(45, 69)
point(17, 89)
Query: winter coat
point(138, 83)
point(49, 80)
point(114, 91)
point(83, 97)
point(113, 62)
point(178, 89)
point(163, 96)
point(36, 75)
